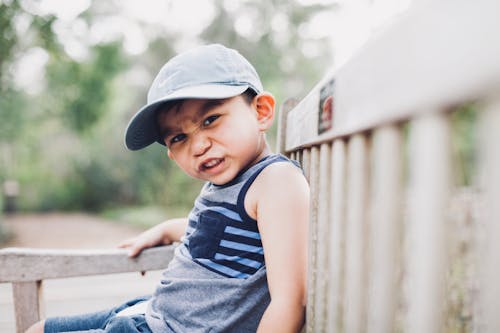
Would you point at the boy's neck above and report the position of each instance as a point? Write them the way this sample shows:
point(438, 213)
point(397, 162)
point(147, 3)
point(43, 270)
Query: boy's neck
point(266, 151)
point(263, 154)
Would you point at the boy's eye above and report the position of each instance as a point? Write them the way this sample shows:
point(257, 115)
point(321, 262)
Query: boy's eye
point(210, 120)
point(177, 138)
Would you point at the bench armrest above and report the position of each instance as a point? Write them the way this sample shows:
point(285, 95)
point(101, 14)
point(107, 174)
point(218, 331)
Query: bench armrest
point(24, 264)
point(26, 268)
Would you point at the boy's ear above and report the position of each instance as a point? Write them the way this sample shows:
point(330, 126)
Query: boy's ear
point(264, 105)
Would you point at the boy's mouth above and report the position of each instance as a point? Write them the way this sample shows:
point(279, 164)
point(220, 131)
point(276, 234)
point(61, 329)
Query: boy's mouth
point(210, 164)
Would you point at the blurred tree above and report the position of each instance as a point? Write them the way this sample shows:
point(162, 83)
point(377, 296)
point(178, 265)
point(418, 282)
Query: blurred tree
point(81, 91)
point(76, 92)
point(8, 38)
point(13, 101)
point(270, 35)
point(9, 97)
point(464, 143)
point(68, 138)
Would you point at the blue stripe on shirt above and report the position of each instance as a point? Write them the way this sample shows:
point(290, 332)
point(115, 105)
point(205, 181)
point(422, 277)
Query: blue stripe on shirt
point(210, 203)
point(244, 247)
point(189, 230)
point(223, 269)
point(243, 261)
point(242, 254)
point(221, 210)
point(241, 232)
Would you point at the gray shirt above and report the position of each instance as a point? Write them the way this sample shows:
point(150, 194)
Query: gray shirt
point(191, 298)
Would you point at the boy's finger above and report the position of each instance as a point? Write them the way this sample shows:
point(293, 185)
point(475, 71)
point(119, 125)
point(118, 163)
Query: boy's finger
point(134, 251)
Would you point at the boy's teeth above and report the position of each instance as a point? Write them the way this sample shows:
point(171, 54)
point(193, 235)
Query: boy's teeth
point(211, 163)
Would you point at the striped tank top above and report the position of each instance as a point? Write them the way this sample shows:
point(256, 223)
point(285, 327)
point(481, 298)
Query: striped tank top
point(221, 236)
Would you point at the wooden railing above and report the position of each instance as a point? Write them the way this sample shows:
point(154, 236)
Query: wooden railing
point(397, 243)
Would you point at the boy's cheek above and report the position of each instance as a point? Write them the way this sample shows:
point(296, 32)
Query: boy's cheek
point(182, 164)
point(169, 154)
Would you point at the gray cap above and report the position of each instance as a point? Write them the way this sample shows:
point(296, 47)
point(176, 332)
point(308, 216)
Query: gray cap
point(211, 71)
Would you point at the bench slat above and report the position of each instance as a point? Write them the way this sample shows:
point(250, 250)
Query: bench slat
point(312, 159)
point(336, 236)
point(427, 234)
point(286, 107)
point(355, 284)
point(385, 228)
point(323, 226)
point(490, 245)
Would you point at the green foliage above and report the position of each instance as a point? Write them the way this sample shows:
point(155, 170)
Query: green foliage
point(81, 92)
point(8, 38)
point(67, 141)
point(464, 140)
point(143, 216)
point(43, 26)
point(277, 57)
point(13, 119)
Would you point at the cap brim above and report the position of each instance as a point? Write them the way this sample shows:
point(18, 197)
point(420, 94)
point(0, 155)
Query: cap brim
point(142, 130)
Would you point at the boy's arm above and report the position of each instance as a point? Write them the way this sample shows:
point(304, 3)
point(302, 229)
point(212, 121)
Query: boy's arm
point(161, 234)
point(282, 210)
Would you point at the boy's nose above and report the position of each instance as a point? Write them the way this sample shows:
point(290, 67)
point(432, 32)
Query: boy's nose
point(201, 144)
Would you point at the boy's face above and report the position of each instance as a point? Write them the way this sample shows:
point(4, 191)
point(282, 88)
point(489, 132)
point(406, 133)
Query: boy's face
point(214, 140)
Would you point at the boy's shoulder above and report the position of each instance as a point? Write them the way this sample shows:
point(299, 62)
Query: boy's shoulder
point(281, 181)
point(281, 160)
point(277, 169)
point(283, 172)
point(282, 164)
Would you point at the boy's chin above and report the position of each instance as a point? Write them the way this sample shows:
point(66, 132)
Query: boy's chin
point(220, 180)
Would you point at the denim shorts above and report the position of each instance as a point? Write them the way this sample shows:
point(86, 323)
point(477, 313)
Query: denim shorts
point(100, 322)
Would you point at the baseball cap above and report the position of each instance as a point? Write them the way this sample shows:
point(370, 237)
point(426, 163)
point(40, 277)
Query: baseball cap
point(210, 71)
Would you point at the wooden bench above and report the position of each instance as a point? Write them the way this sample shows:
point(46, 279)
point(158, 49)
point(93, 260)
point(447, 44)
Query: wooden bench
point(395, 243)
point(27, 268)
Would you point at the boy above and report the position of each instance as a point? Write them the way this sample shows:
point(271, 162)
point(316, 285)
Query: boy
point(241, 264)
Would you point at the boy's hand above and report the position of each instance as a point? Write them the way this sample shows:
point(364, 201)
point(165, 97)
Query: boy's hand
point(143, 241)
point(162, 234)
